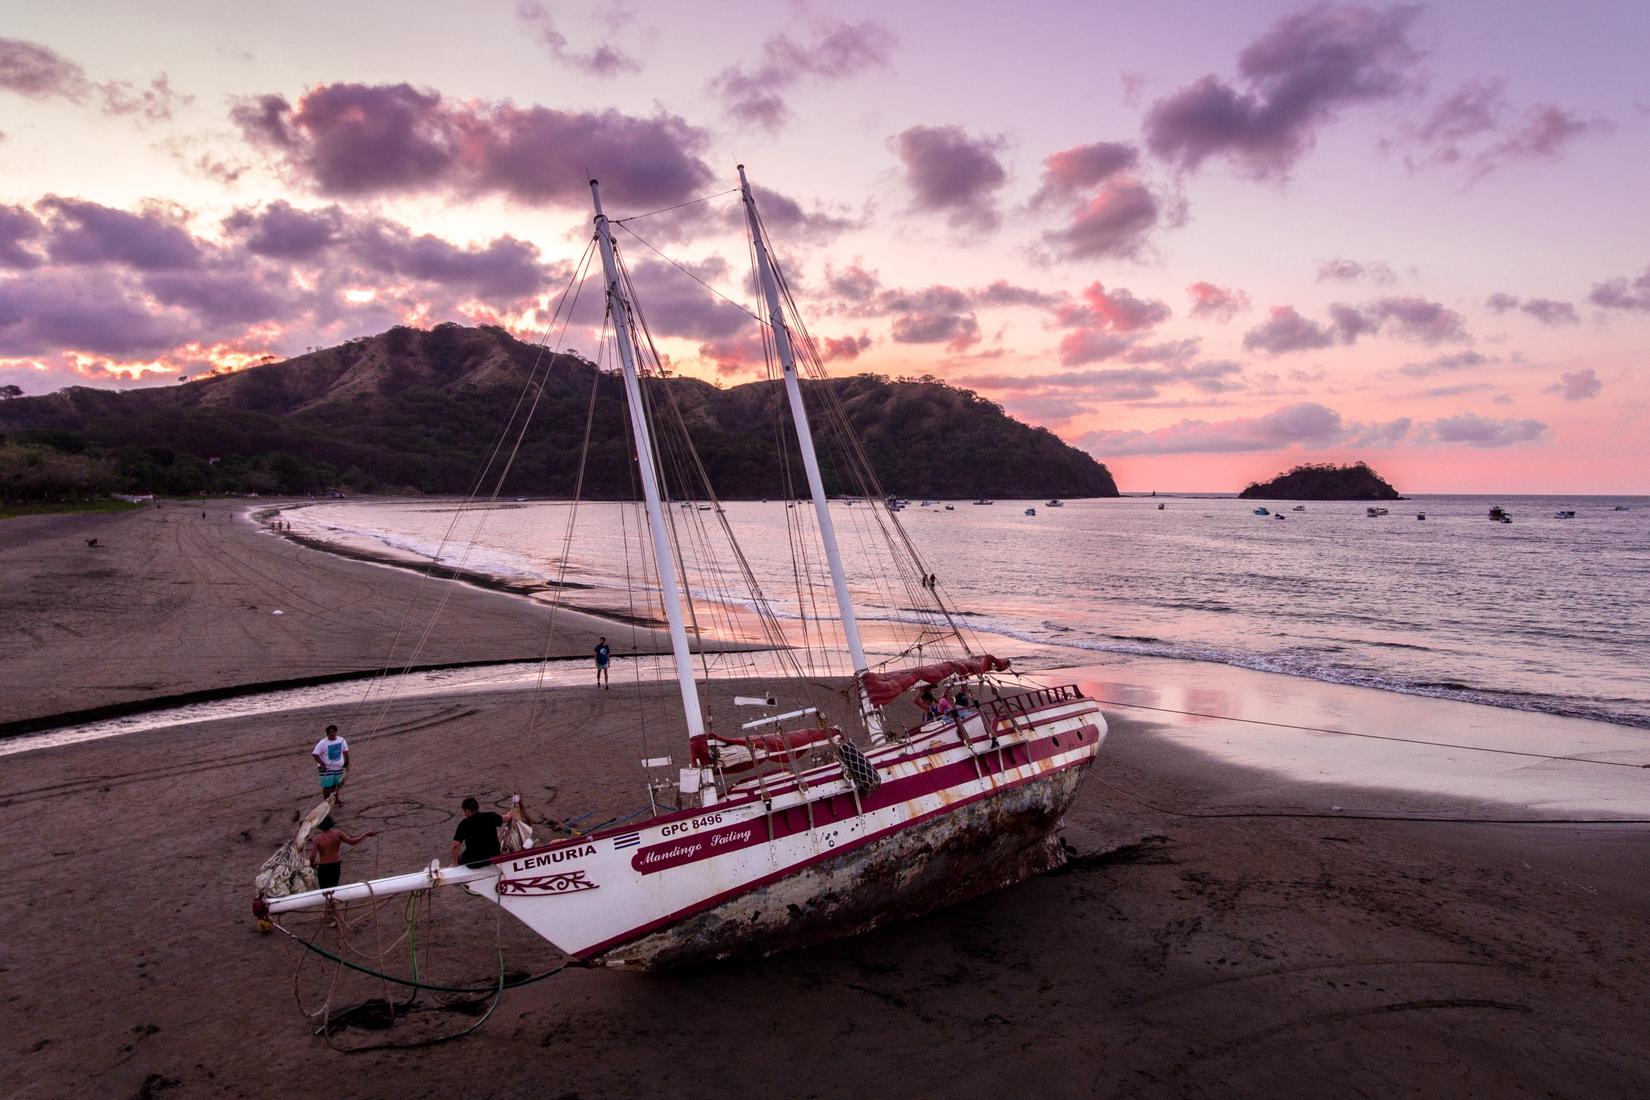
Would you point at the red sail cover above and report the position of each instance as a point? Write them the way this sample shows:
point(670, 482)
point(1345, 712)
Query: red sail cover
point(885, 687)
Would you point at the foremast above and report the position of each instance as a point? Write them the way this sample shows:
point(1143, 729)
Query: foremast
point(669, 588)
point(810, 460)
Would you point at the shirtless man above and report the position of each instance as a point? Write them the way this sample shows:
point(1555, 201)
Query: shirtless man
point(328, 847)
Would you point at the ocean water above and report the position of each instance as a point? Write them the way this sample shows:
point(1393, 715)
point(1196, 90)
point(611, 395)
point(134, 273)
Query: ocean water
point(1543, 614)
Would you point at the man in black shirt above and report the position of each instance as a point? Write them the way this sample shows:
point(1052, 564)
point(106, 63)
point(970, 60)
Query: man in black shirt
point(476, 840)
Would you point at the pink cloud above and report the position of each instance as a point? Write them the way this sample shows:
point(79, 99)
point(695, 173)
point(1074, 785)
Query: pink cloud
point(1216, 303)
point(1114, 222)
point(1577, 385)
point(1072, 171)
point(1632, 295)
point(1118, 310)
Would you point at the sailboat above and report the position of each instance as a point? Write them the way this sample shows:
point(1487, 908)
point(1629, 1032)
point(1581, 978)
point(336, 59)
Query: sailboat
point(785, 837)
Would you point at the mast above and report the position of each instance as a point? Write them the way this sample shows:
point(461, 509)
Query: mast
point(805, 443)
point(669, 590)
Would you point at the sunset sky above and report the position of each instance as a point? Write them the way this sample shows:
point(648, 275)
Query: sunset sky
point(1202, 241)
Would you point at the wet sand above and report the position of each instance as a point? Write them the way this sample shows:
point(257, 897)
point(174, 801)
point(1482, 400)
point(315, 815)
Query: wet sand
point(184, 598)
point(1222, 930)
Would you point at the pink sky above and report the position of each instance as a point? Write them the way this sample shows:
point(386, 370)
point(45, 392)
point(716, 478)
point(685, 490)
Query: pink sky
point(1411, 234)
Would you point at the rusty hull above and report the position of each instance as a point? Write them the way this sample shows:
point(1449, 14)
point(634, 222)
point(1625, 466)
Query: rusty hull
point(985, 845)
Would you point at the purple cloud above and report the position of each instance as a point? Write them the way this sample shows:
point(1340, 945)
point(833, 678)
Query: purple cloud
point(1072, 171)
point(1216, 303)
point(86, 232)
point(285, 232)
point(1577, 385)
point(1088, 345)
point(1132, 383)
point(1112, 223)
point(604, 60)
point(953, 174)
point(1306, 424)
point(843, 347)
point(756, 95)
point(1548, 311)
point(1444, 364)
point(360, 140)
point(16, 226)
point(1299, 75)
point(503, 271)
point(1285, 330)
point(39, 72)
point(1345, 271)
point(1005, 294)
point(85, 310)
point(956, 331)
point(1632, 295)
point(1478, 431)
point(677, 306)
point(1417, 319)
point(1476, 127)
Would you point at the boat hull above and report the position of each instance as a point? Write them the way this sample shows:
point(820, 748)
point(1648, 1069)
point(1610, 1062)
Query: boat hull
point(973, 849)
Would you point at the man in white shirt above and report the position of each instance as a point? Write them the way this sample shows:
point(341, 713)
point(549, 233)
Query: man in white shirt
point(331, 761)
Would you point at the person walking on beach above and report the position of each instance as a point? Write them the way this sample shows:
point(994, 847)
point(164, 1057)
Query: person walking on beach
point(604, 654)
point(331, 755)
point(328, 851)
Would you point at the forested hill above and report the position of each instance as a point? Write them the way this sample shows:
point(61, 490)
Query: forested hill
point(1324, 482)
point(419, 411)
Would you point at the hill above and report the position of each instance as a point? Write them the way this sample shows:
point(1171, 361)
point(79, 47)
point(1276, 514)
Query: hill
point(420, 411)
point(1324, 482)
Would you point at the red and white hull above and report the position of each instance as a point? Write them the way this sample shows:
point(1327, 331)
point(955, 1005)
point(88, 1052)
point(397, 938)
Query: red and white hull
point(962, 808)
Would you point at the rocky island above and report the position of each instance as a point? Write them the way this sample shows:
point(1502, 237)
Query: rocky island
point(1324, 481)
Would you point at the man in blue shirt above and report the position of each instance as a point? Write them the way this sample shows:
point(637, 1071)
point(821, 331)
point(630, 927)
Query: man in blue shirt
point(603, 654)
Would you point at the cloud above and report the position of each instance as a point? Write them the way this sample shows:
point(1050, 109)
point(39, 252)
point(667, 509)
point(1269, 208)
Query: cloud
point(283, 231)
point(952, 174)
point(82, 232)
point(1548, 311)
point(1216, 303)
point(1131, 383)
point(1072, 171)
point(1087, 345)
point(957, 331)
point(1112, 223)
point(359, 140)
point(604, 60)
point(1576, 385)
point(1285, 330)
point(1409, 317)
point(1339, 270)
point(676, 306)
point(1298, 76)
point(836, 51)
point(39, 72)
point(1116, 310)
point(1004, 293)
point(843, 347)
point(1444, 364)
point(1623, 293)
point(1169, 351)
point(1307, 424)
point(1476, 128)
point(1478, 431)
point(17, 225)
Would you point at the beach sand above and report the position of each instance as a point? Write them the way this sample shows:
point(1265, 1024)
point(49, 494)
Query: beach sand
point(1222, 930)
point(184, 598)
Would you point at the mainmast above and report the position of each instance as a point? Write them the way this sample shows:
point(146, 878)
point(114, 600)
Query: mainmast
point(805, 443)
point(669, 590)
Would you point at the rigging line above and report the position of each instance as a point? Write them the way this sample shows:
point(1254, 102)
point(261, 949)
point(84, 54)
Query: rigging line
point(504, 432)
point(737, 305)
point(574, 286)
point(668, 209)
point(1379, 736)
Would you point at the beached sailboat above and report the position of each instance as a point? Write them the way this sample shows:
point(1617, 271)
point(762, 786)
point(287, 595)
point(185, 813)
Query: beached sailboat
point(793, 831)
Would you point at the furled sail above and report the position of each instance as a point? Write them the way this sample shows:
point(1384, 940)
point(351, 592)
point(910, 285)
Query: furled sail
point(884, 687)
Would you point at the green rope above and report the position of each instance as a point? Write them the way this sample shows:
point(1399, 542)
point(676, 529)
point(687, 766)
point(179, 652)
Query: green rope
point(516, 984)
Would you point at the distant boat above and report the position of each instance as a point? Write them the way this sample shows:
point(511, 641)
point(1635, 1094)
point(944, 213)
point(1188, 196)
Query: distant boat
point(1372, 513)
point(1298, 508)
point(982, 500)
point(1621, 508)
point(1506, 519)
point(1262, 512)
point(1160, 507)
point(1565, 513)
point(1031, 511)
point(1055, 503)
point(1498, 514)
point(950, 507)
point(1420, 515)
point(1280, 515)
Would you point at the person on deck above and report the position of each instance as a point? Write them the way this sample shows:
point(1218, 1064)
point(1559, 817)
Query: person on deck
point(604, 654)
point(476, 839)
point(328, 851)
point(965, 701)
point(925, 702)
point(331, 755)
